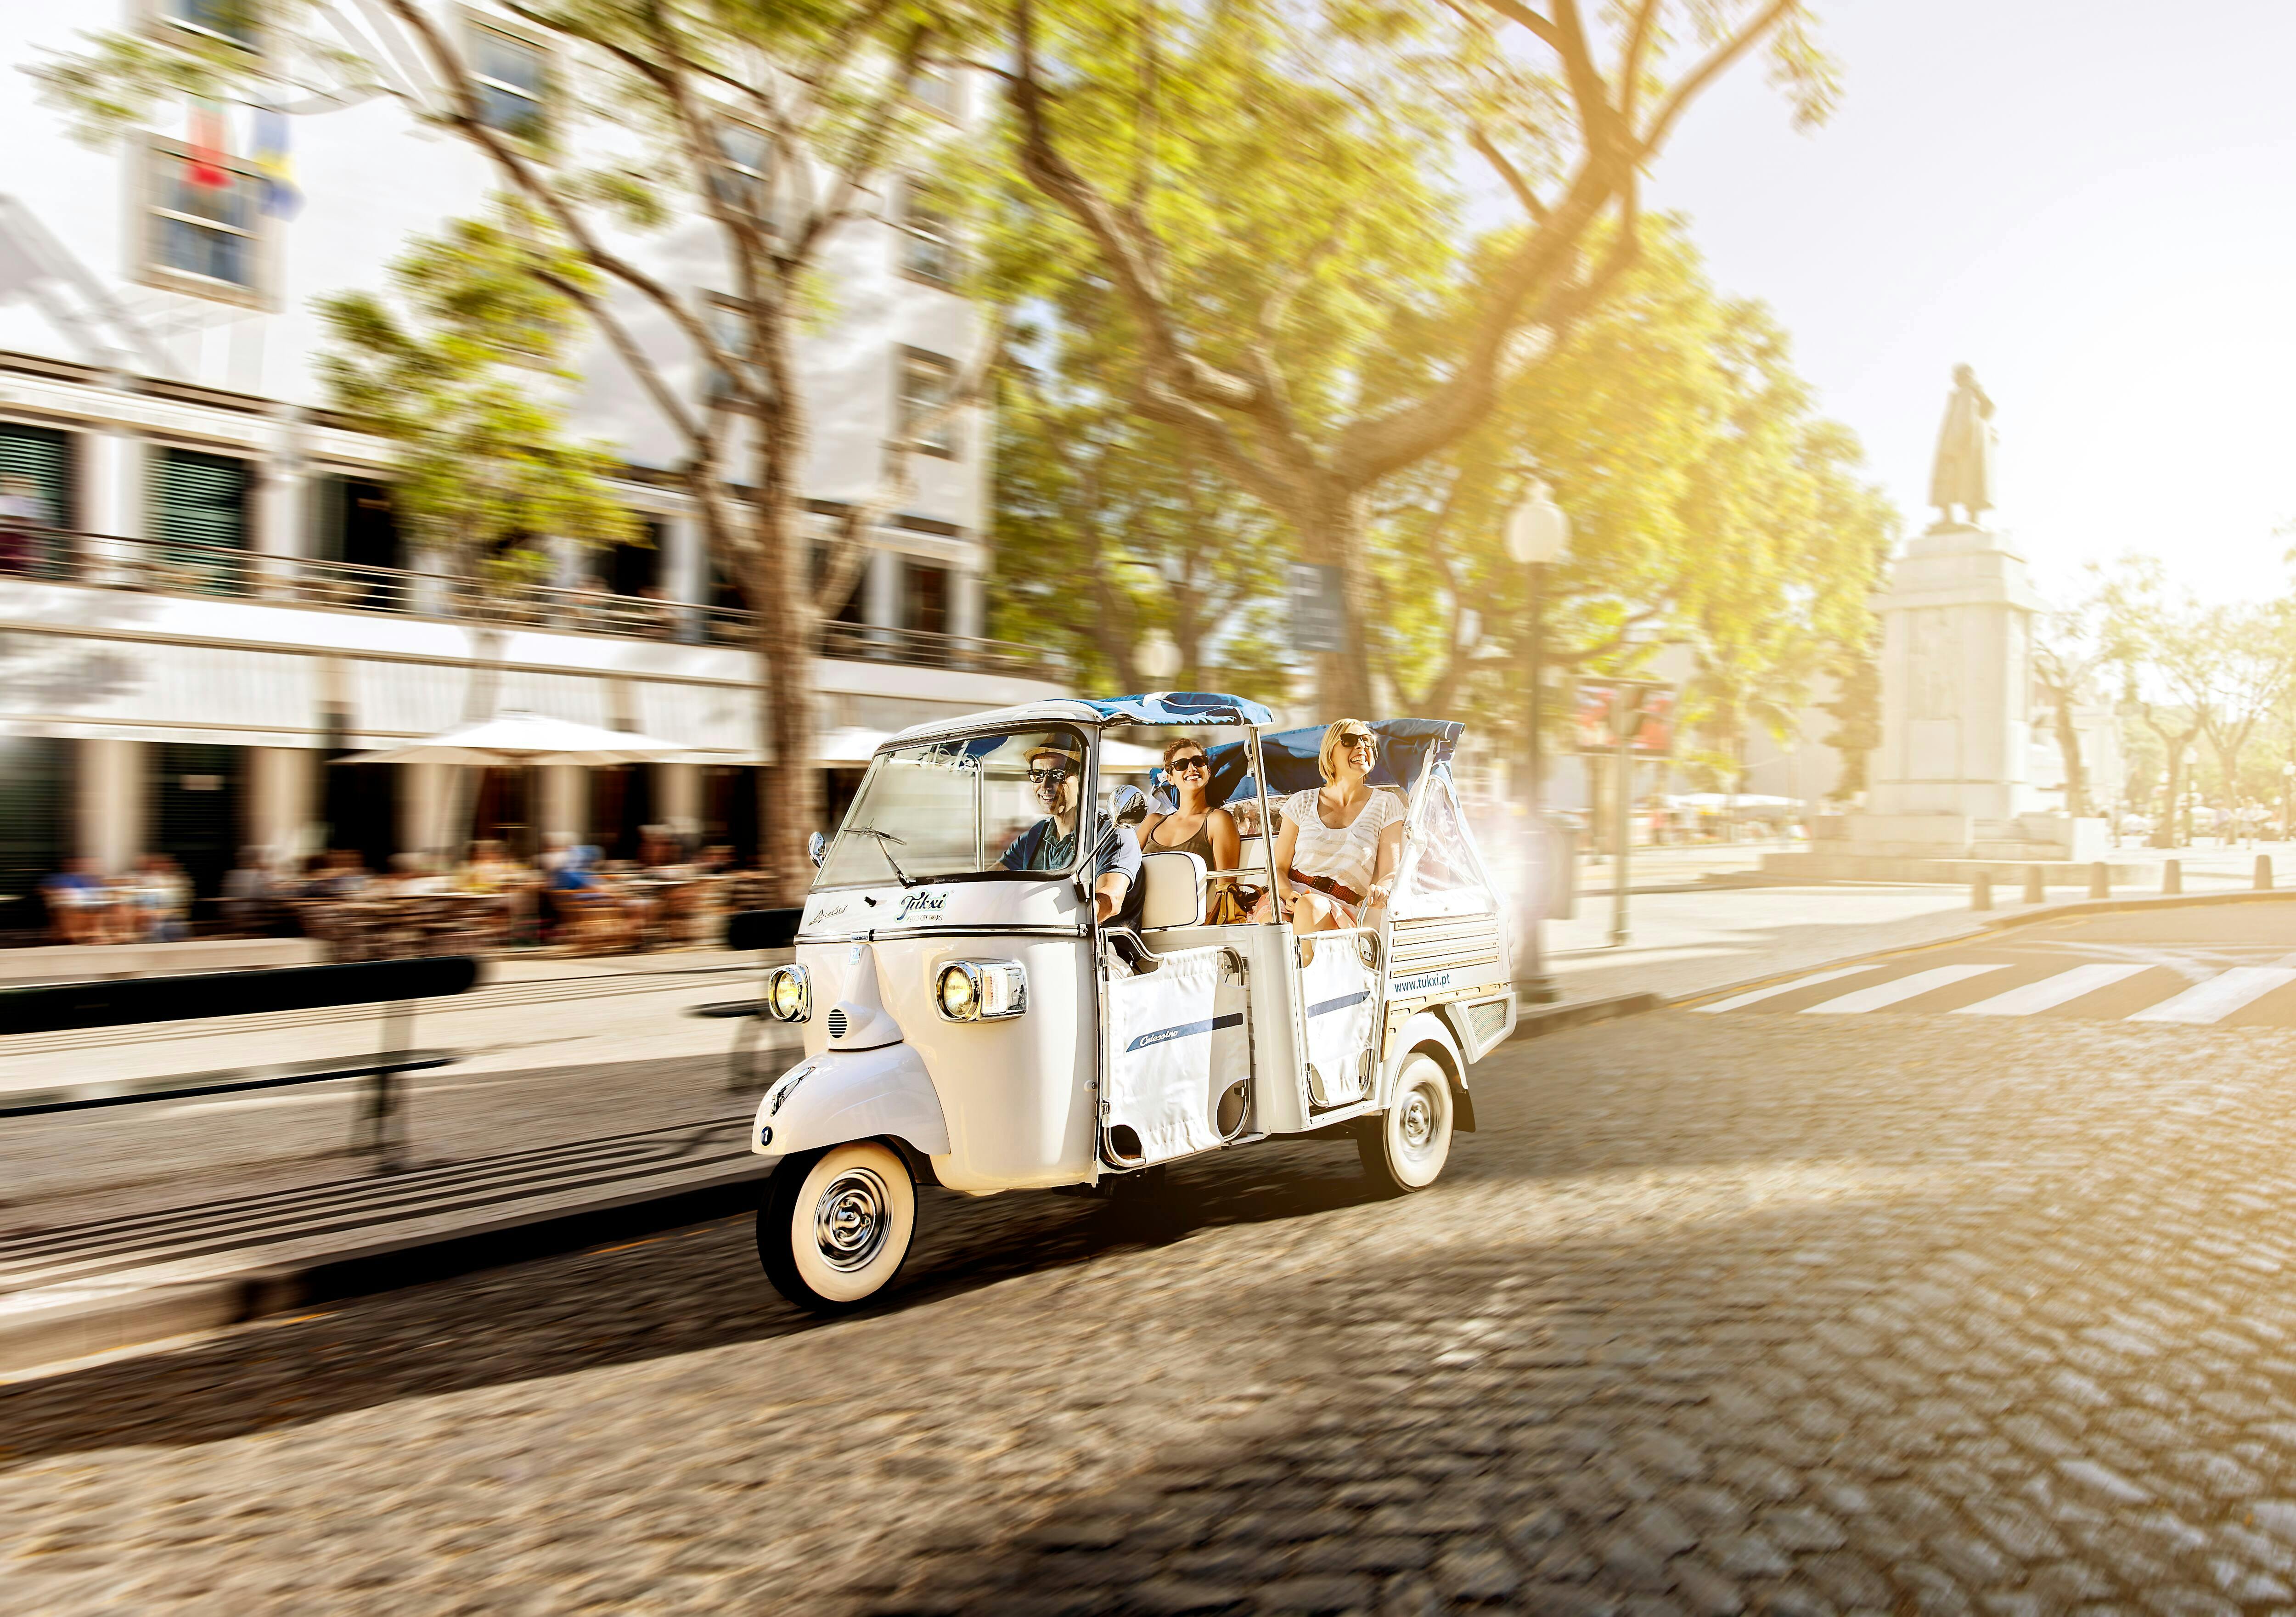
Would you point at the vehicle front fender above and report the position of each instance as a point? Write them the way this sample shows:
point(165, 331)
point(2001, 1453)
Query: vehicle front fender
point(851, 1095)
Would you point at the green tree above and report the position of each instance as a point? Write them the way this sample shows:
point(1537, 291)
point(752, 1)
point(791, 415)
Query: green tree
point(452, 377)
point(1709, 504)
point(779, 123)
point(1270, 191)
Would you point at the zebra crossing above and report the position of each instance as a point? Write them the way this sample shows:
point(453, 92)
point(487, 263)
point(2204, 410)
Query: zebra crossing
point(2189, 988)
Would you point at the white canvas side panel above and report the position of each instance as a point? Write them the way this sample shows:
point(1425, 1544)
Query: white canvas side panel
point(1177, 1042)
point(1336, 995)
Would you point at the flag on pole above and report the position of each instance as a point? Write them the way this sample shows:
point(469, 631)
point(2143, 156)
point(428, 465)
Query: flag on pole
point(281, 196)
point(206, 170)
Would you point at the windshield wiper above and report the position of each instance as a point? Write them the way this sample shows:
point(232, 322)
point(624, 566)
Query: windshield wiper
point(884, 837)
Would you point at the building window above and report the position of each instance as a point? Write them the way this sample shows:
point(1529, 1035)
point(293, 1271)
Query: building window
point(234, 22)
point(744, 179)
point(206, 232)
point(728, 321)
point(935, 89)
point(512, 78)
point(199, 521)
point(924, 598)
point(927, 383)
point(928, 242)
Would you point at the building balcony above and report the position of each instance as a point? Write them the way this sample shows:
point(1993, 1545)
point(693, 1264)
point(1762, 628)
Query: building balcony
point(168, 567)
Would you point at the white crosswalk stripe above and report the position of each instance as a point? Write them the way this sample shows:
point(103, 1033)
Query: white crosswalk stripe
point(2220, 995)
point(1772, 992)
point(2050, 992)
point(1890, 993)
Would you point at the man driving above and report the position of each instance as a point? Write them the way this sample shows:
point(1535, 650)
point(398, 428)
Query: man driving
point(1056, 778)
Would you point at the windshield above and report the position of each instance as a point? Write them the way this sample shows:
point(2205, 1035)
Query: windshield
point(982, 805)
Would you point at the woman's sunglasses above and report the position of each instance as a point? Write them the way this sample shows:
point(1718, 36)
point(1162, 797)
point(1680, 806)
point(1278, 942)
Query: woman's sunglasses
point(1359, 743)
point(1190, 763)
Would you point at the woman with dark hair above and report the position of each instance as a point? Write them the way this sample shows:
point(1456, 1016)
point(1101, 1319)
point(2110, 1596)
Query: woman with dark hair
point(1195, 827)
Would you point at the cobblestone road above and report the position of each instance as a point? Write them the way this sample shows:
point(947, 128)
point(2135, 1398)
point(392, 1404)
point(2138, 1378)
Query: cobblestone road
point(1716, 1314)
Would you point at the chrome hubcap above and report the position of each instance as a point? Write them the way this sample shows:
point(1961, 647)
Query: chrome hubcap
point(851, 1219)
point(1418, 1120)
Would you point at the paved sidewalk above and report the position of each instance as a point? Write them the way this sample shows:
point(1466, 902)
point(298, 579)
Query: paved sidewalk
point(1688, 943)
point(585, 1088)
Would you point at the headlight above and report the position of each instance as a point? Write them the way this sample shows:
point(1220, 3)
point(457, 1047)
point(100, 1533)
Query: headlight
point(789, 993)
point(958, 993)
point(980, 991)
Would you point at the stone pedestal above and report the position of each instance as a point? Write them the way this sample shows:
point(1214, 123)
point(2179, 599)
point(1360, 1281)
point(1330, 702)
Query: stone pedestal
point(1957, 687)
point(1952, 778)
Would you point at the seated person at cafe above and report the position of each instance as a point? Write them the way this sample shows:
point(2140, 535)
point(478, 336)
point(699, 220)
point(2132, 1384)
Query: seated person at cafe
point(1336, 854)
point(1056, 778)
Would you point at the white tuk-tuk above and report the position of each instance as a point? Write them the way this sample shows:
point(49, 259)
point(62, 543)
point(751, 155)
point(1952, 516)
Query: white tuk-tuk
point(975, 1025)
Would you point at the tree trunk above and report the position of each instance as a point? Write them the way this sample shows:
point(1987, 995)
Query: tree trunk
point(788, 627)
point(1336, 537)
point(2069, 747)
point(2164, 833)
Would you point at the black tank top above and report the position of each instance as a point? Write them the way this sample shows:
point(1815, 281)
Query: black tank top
point(1200, 844)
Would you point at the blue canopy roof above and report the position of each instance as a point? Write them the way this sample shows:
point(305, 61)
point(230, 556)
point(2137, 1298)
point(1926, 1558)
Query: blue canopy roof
point(1293, 757)
point(1180, 708)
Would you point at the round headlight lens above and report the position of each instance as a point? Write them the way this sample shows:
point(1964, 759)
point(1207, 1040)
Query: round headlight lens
point(958, 1002)
point(787, 994)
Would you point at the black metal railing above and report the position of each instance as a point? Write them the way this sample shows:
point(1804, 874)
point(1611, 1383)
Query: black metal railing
point(175, 567)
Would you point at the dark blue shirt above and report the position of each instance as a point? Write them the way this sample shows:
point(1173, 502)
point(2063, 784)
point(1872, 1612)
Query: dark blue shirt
point(1041, 846)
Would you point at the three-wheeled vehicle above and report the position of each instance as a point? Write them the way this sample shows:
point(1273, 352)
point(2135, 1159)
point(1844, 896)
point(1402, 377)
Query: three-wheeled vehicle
point(970, 1021)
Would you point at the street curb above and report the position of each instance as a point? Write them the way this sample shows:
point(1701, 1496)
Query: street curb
point(2068, 910)
point(53, 1336)
point(1580, 1012)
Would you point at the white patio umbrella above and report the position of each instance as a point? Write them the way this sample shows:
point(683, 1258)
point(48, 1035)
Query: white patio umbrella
point(515, 737)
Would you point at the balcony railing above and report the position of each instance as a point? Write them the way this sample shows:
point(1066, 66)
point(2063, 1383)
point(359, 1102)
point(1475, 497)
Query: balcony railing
point(173, 567)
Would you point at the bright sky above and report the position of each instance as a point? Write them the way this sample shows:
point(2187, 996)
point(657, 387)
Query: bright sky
point(2091, 204)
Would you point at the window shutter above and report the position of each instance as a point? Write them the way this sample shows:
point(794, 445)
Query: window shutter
point(42, 456)
point(202, 499)
point(199, 500)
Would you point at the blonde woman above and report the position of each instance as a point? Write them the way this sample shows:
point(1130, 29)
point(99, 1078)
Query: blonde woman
point(1336, 854)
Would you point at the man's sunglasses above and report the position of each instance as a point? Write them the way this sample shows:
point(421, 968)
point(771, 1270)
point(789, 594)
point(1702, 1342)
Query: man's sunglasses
point(1047, 777)
point(1192, 764)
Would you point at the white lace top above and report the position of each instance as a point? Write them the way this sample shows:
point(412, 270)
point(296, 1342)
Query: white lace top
point(1349, 855)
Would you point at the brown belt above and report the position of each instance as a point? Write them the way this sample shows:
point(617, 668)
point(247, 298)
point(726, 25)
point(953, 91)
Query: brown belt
point(1324, 884)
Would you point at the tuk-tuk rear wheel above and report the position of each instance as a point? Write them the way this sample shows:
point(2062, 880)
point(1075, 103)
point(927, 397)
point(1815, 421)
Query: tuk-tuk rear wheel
point(1412, 1141)
point(836, 1225)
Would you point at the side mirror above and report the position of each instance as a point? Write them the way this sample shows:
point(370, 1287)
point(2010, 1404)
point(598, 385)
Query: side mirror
point(1128, 806)
point(816, 847)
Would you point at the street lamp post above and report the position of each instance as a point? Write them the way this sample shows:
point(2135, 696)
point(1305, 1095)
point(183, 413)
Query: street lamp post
point(2287, 779)
point(1538, 536)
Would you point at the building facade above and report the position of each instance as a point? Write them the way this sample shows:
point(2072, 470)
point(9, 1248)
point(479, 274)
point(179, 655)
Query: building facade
point(206, 596)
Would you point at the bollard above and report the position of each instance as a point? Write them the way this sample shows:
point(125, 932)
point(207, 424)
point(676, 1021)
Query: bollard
point(2264, 873)
point(2036, 889)
point(2172, 876)
point(2100, 880)
point(1980, 891)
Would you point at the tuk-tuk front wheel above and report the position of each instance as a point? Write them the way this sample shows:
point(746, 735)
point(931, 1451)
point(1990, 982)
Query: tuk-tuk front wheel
point(835, 1225)
point(1412, 1139)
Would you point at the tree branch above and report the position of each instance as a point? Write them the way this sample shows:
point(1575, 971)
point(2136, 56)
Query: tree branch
point(867, 149)
point(1484, 146)
point(1516, 12)
point(1123, 249)
point(1688, 88)
point(463, 117)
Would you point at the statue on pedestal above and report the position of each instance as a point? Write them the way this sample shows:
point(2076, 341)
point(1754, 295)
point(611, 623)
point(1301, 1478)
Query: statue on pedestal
point(1963, 473)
